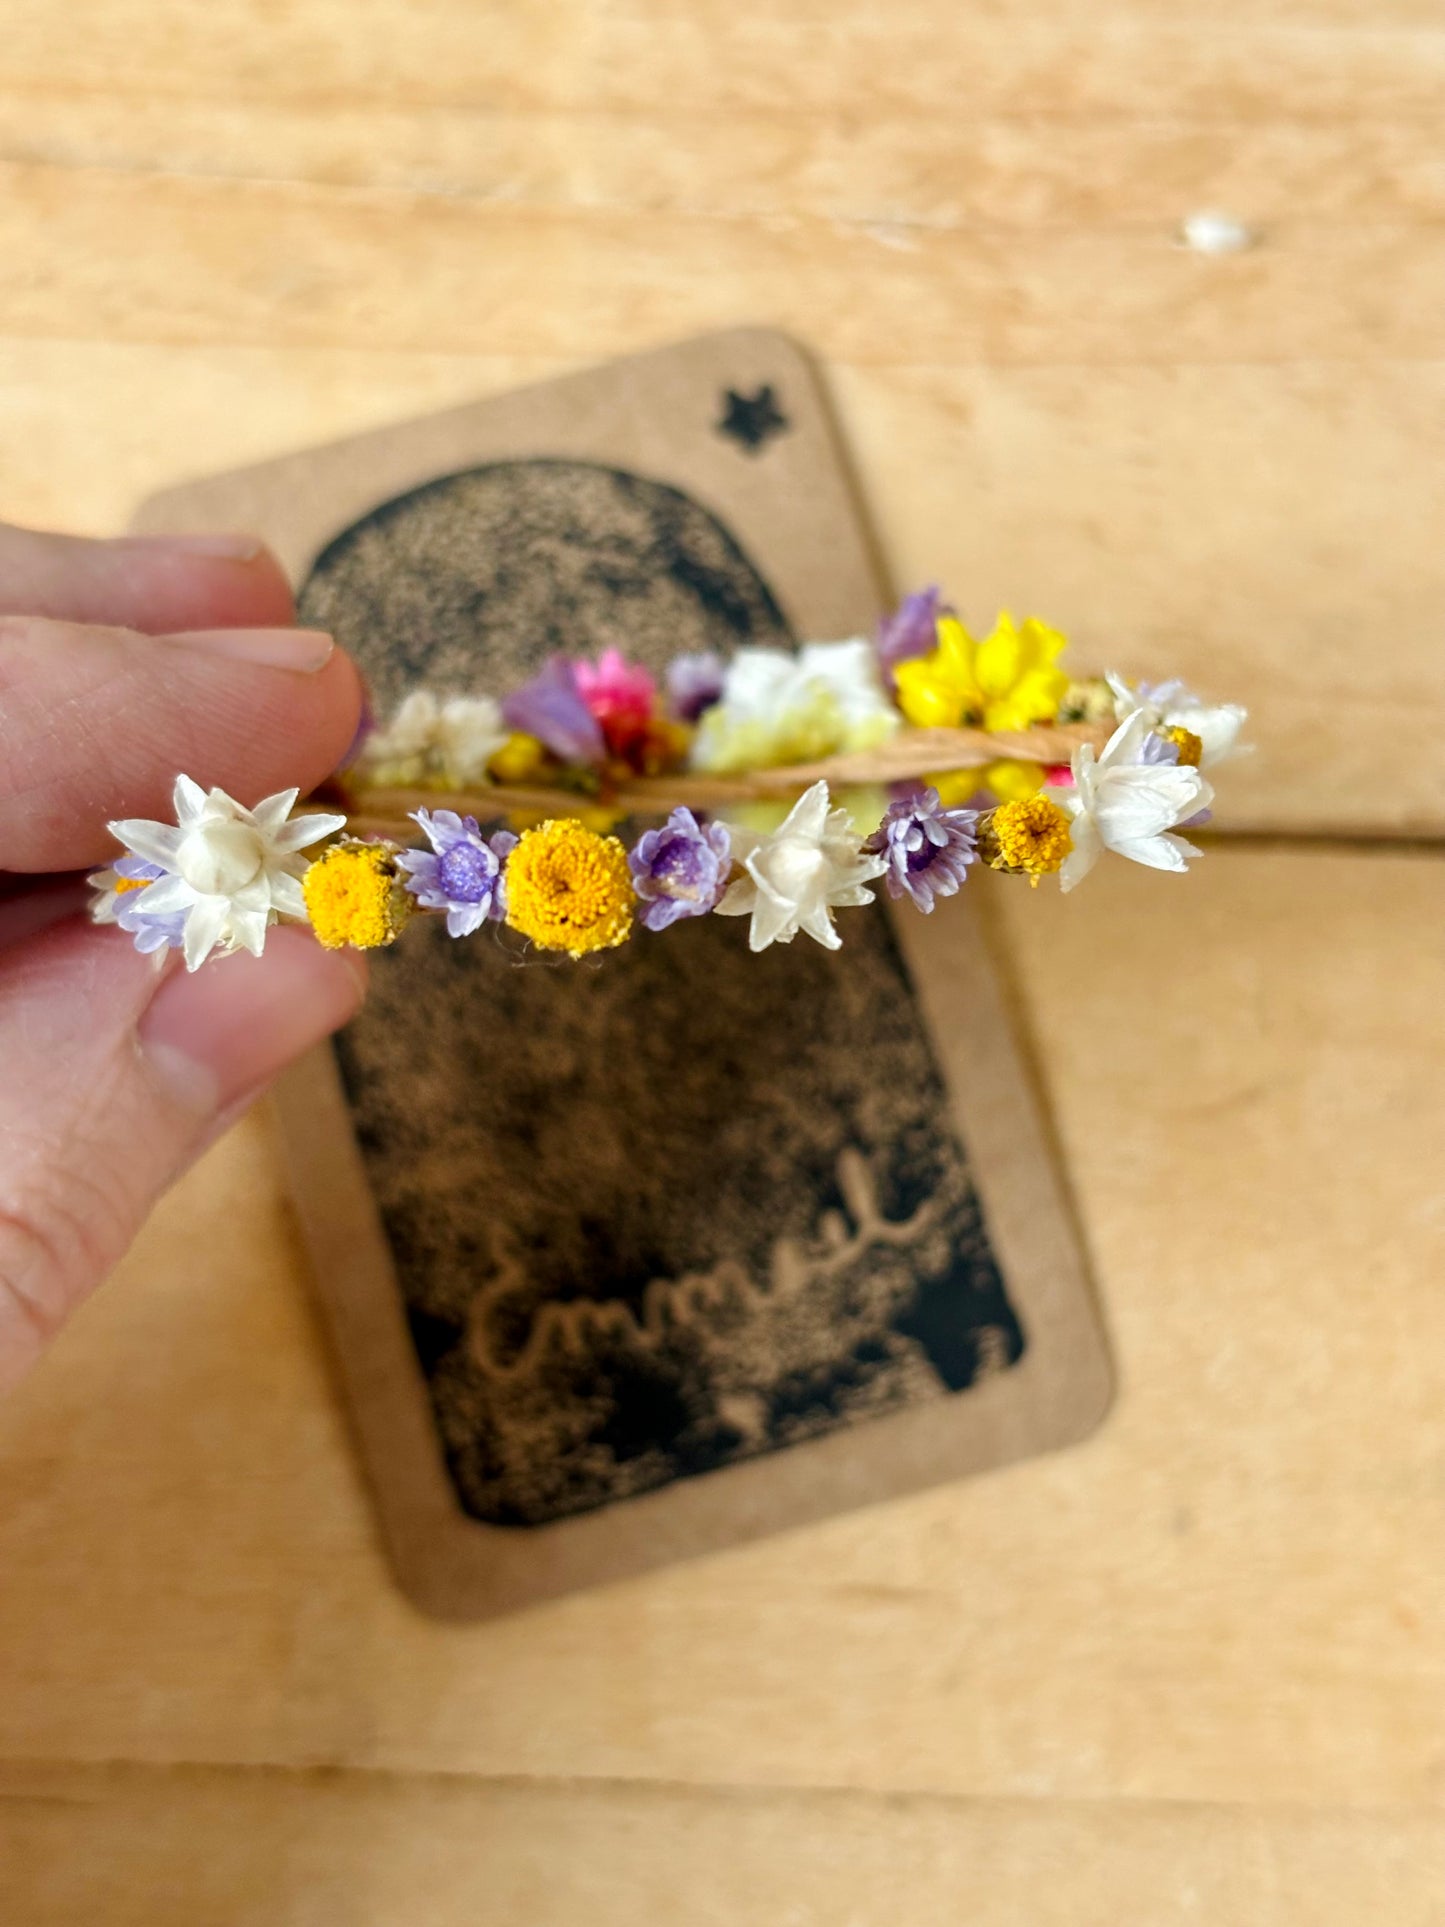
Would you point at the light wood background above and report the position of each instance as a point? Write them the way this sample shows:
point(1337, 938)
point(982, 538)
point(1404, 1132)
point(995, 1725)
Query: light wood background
point(1193, 1671)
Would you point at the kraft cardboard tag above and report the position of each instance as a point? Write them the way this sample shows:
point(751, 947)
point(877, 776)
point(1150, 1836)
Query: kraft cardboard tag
point(628, 1261)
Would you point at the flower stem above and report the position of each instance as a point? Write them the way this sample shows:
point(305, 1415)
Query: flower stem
point(906, 756)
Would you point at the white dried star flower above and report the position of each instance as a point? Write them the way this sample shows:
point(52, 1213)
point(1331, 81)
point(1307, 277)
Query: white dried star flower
point(1118, 802)
point(1173, 705)
point(230, 871)
point(409, 735)
point(448, 739)
point(469, 733)
point(810, 866)
point(777, 707)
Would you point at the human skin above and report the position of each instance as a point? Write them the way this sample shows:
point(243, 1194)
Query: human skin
point(122, 664)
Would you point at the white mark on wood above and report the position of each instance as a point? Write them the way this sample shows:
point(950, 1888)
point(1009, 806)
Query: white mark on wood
point(1211, 232)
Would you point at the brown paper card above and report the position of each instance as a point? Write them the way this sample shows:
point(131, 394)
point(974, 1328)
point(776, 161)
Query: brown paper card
point(629, 1261)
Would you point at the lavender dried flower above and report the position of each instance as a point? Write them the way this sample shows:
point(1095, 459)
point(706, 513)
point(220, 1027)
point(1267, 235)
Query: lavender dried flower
point(680, 870)
point(462, 871)
point(927, 848)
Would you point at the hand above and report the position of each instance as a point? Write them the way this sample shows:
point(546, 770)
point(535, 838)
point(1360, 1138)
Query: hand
point(122, 664)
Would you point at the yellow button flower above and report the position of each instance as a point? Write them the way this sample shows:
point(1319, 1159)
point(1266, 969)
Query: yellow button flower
point(1007, 681)
point(1189, 746)
point(570, 889)
point(1030, 837)
point(355, 896)
point(521, 759)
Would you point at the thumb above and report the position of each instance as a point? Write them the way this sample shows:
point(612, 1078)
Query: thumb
point(115, 1080)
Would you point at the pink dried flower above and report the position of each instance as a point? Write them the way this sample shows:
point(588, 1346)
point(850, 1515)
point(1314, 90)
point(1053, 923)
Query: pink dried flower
point(615, 690)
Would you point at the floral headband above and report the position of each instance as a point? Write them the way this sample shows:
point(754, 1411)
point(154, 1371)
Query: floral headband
point(949, 750)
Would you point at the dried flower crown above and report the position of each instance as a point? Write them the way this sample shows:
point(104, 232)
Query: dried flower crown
point(953, 750)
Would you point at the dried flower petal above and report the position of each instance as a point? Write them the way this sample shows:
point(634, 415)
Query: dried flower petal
point(462, 871)
point(570, 889)
point(800, 874)
point(551, 708)
point(228, 871)
point(911, 630)
point(927, 848)
point(679, 870)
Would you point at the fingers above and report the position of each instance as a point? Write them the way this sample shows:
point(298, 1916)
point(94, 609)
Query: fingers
point(31, 904)
point(117, 1076)
point(157, 584)
point(115, 1079)
point(98, 722)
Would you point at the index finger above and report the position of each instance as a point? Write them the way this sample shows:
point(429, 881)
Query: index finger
point(98, 723)
point(157, 584)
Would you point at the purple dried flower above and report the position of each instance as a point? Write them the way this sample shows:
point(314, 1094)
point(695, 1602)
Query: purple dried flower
point(461, 873)
point(1157, 750)
point(149, 931)
point(680, 870)
point(695, 683)
point(550, 707)
point(928, 847)
point(365, 729)
point(910, 631)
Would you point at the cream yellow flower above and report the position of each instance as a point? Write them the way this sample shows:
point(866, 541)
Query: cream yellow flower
point(1009, 680)
point(780, 708)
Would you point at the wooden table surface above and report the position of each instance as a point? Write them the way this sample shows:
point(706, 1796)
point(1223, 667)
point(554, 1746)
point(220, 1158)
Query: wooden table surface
point(1193, 1671)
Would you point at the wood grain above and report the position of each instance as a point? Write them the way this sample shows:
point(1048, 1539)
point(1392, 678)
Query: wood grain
point(1232, 1594)
point(1189, 1672)
point(314, 1849)
point(1268, 531)
point(891, 169)
point(191, 261)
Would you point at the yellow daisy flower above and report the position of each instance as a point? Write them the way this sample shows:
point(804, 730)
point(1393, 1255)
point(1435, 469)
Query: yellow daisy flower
point(1007, 681)
point(1010, 781)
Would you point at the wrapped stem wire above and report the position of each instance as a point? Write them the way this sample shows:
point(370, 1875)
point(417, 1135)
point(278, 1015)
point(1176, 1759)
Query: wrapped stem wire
point(909, 756)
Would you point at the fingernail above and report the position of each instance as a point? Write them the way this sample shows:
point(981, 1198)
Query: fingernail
point(303, 650)
point(218, 1036)
point(225, 548)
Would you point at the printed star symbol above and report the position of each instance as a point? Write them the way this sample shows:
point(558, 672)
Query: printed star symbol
point(752, 420)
